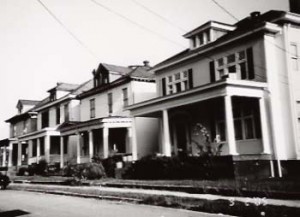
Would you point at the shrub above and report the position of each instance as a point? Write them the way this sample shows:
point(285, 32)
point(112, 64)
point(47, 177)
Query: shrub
point(22, 171)
point(154, 167)
point(109, 164)
point(85, 171)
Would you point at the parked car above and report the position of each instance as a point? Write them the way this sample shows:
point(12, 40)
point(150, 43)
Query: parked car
point(4, 179)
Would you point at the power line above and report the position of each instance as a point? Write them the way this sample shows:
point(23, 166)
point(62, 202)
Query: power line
point(67, 29)
point(224, 9)
point(135, 23)
point(158, 15)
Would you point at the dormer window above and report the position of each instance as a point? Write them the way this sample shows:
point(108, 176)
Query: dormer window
point(52, 96)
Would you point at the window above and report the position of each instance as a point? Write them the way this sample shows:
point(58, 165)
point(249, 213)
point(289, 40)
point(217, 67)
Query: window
point(45, 119)
point(92, 108)
point(238, 65)
point(244, 124)
point(66, 112)
point(294, 56)
point(110, 103)
point(58, 115)
point(125, 97)
point(179, 82)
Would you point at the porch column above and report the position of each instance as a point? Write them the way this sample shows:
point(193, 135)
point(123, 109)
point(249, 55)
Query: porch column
point(78, 147)
point(230, 126)
point(166, 133)
point(133, 139)
point(264, 126)
point(47, 148)
point(4, 156)
point(91, 145)
point(38, 150)
point(19, 154)
point(10, 151)
point(105, 141)
point(62, 152)
point(29, 151)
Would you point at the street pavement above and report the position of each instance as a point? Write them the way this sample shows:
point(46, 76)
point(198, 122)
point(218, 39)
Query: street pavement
point(32, 204)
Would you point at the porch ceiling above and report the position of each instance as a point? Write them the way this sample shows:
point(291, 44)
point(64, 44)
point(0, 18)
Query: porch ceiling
point(202, 93)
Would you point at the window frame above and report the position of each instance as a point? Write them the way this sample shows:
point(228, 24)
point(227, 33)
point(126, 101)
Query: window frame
point(92, 108)
point(294, 56)
point(110, 103)
point(223, 65)
point(125, 97)
point(242, 118)
point(178, 82)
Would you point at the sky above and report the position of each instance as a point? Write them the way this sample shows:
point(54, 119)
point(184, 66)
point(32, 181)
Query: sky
point(38, 50)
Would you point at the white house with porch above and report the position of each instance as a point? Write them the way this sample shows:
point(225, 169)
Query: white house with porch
point(105, 127)
point(239, 84)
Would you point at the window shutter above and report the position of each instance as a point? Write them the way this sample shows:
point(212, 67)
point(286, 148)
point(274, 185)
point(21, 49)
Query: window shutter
point(251, 74)
point(163, 82)
point(212, 71)
point(190, 71)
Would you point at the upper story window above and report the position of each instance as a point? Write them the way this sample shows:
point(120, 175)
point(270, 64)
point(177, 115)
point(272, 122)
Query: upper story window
point(58, 115)
point(110, 102)
point(237, 65)
point(66, 112)
point(25, 126)
point(45, 119)
point(92, 108)
point(294, 56)
point(125, 96)
point(178, 82)
point(52, 96)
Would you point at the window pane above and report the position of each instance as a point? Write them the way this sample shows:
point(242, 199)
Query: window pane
point(238, 129)
point(242, 55)
point(177, 76)
point(249, 129)
point(178, 87)
point(293, 50)
point(170, 78)
point(231, 58)
point(185, 74)
point(220, 62)
point(232, 69)
point(295, 64)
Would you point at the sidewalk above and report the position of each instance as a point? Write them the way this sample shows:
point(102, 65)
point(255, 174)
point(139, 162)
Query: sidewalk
point(231, 205)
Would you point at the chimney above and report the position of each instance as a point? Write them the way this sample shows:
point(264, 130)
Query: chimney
point(146, 63)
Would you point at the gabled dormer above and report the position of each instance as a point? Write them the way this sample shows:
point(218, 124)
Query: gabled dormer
point(107, 73)
point(207, 33)
point(60, 90)
point(25, 105)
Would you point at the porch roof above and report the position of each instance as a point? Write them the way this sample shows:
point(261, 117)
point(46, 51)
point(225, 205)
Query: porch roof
point(73, 127)
point(198, 94)
point(5, 142)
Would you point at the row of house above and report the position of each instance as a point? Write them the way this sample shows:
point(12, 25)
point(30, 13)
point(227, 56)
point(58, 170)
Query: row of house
point(236, 86)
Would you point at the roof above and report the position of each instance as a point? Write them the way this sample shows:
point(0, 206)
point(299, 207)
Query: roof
point(64, 87)
point(28, 102)
point(208, 24)
point(114, 68)
point(245, 25)
point(141, 72)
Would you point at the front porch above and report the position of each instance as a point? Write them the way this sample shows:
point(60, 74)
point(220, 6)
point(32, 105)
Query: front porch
point(100, 138)
point(224, 118)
